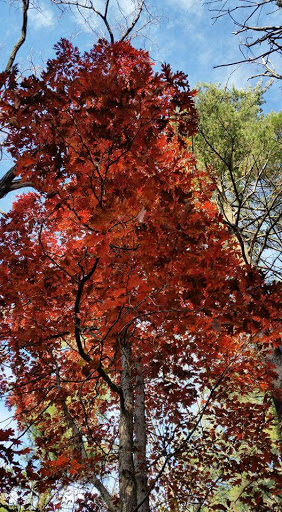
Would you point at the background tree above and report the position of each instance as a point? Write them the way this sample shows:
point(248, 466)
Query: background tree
point(242, 146)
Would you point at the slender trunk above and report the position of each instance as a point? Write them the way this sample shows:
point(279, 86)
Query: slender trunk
point(276, 359)
point(127, 482)
point(140, 461)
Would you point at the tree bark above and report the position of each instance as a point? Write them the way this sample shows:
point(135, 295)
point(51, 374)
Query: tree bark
point(127, 481)
point(276, 359)
point(25, 6)
point(140, 461)
point(10, 182)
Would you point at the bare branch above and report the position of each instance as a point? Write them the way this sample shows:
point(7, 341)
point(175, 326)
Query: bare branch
point(103, 14)
point(260, 41)
point(25, 6)
point(135, 20)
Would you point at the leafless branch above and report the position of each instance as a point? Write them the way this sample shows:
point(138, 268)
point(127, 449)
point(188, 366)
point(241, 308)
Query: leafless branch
point(25, 6)
point(104, 14)
point(258, 41)
point(135, 20)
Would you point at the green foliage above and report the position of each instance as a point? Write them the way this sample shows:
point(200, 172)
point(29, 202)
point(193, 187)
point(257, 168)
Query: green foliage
point(242, 146)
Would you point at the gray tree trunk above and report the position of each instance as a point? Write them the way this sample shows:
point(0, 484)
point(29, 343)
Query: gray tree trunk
point(140, 461)
point(127, 481)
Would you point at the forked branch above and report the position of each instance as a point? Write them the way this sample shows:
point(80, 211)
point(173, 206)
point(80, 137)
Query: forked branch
point(103, 14)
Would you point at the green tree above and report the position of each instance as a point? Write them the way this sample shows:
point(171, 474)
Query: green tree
point(242, 146)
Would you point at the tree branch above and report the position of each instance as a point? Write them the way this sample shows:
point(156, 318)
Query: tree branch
point(77, 327)
point(77, 332)
point(254, 35)
point(135, 20)
point(25, 6)
point(10, 182)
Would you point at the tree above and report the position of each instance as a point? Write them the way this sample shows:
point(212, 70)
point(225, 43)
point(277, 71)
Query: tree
point(260, 36)
point(242, 146)
point(129, 321)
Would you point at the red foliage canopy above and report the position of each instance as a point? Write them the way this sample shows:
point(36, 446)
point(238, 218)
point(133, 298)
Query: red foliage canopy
point(122, 252)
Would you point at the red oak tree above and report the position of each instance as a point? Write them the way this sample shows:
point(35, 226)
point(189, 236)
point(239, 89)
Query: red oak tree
point(134, 332)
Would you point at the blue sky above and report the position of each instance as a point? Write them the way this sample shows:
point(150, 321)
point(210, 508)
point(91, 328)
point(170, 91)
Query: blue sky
point(185, 36)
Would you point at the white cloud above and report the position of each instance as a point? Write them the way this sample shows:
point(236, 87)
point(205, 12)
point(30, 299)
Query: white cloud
point(191, 5)
point(43, 18)
point(89, 23)
point(122, 12)
point(187, 4)
point(237, 76)
point(128, 6)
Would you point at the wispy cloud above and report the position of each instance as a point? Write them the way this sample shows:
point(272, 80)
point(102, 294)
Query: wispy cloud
point(127, 7)
point(120, 14)
point(195, 6)
point(43, 18)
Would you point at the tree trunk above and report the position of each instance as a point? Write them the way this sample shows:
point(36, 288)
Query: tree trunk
point(276, 359)
point(140, 461)
point(127, 481)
